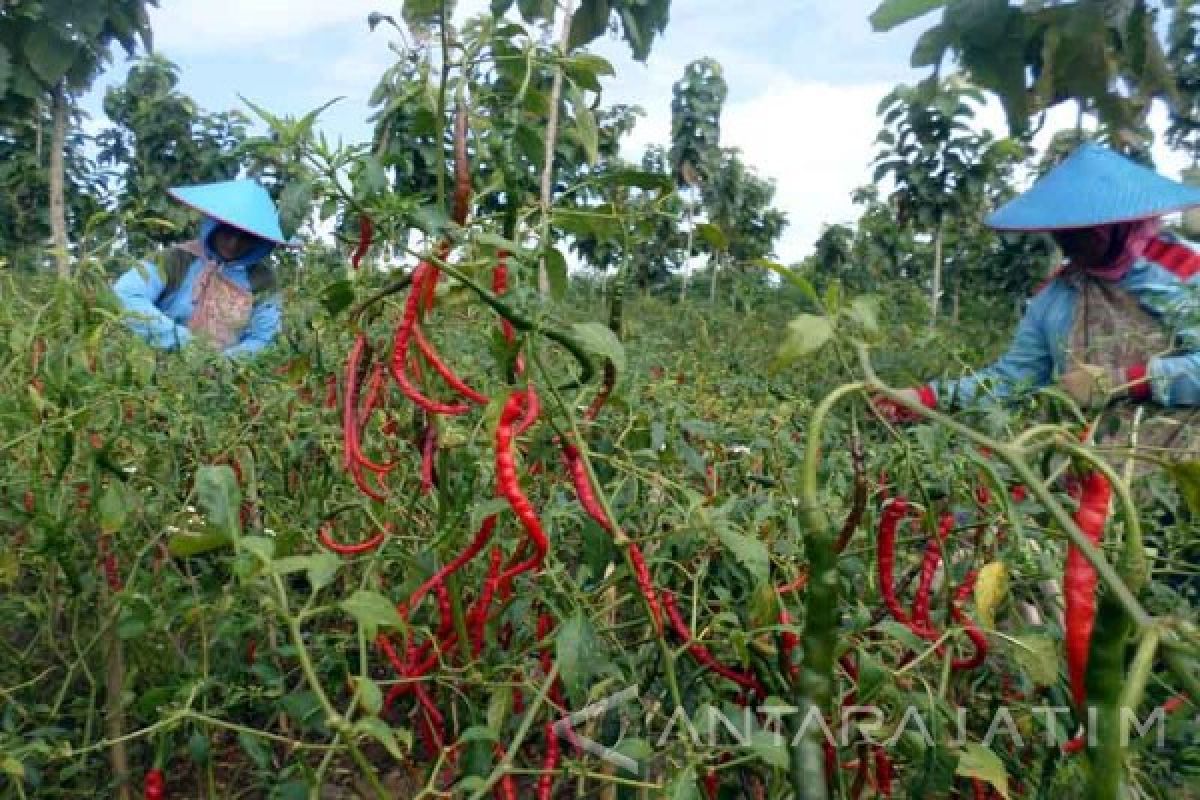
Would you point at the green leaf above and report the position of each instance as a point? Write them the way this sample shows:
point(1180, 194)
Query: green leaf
point(770, 748)
point(806, 334)
point(218, 495)
point(372, 611)
point(48, 54)
point(893, 13)
point(370, 696)
point(5, 70)
point(589, 22)
point(713, 236)
point(600, 340)
point(977, 761)
point(390, 738)
point(864, 310)
point(750, 553)
point(556, 271)
point(186, 545)
point(637, 179)
point(575, 650)
point(112, 508)
point(199, 748)
point(684, 787)
point(261, 547)
point(1038, 656)
point(257, 751)
point(792, 277)
point(588, 133)
point(337, 297)
point(1187, 480)
point(322, 568)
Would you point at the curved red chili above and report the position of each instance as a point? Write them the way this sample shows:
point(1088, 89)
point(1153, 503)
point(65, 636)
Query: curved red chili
point(1080, 580)
point(889, 521)
point(404, 332)
point(448, 375)
point(702, 654)
point(545, 786)
point(365, 235)
point(510, 487)
point(325, 536)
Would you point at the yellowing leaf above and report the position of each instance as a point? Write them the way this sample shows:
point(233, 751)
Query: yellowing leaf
point(991, 587)
point(977, 761)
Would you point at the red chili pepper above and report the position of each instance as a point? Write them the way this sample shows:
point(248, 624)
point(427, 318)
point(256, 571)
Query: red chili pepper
point(462, 167)
point(30, 501)
point(702, 654)
point(884, 773)
point(251, 651)
point(331, 398)
point(929, 567)
point(154, 786)
point(448, 375)
point(710, 480)
point(1175, 703)
point(889, 521)
point(325, 537)
point(788, 642)
point(404, 331)
point(972, 630)
point(355, 460)
point(371, 401)
point(545, 786)
point(477, 620)
point(482, 537)
point(429, 442)
point(506, 788)
point(1080, 580)
point(1018, 493)
point(1076, 745)
point(510, 487)
point(606, 388)
point(712, 784)
point(108, 560)
point(365, 235)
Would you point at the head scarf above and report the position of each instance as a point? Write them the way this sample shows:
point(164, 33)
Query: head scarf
point(1131, 239)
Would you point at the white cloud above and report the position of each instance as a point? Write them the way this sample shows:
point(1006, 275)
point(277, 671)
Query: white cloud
point(815, 140)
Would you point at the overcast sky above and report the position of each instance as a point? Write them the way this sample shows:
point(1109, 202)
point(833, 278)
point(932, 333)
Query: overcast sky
point(804, 77)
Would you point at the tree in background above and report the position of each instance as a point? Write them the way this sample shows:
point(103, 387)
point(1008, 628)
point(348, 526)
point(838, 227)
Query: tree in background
point(51, 51)
point(160, 138)
point(933, 157)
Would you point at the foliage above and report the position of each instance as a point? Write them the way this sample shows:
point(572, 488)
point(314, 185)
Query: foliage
point(160, 139)
point(697, 100)
point(1104, 54)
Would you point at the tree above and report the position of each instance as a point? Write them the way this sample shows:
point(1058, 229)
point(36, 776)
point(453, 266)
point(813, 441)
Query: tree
point(930, 152)
point(49, 52)
point(1104, 54)
point(161, 138)
point(697, 99)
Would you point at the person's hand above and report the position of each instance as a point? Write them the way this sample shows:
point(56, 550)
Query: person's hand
point(896, 413)
point(1090, 386)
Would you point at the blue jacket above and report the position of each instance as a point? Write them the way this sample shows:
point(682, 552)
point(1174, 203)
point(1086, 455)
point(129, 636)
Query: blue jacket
point(164, 323)
point(1168, 288)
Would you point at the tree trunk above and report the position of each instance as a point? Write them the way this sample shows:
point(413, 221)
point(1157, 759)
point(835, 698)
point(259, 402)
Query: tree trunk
point(712, 284)
point(551, 137)
point(58, 206)
point(687, 257)
point(935, 293)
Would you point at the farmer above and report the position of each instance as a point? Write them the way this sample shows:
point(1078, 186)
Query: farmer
point(219, 287)
point(1120, 320)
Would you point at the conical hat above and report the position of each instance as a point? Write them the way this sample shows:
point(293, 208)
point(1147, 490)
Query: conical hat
point(243, 204)
point(1094, 186)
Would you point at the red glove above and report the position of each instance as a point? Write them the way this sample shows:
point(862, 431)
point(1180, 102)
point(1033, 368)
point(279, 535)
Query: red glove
point(895, 413)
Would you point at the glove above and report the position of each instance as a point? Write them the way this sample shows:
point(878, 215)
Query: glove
point(897, 414)
point(1091, 386)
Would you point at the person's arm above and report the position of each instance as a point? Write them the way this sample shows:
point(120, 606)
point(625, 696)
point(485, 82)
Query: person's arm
point(1174, 380)
point(137, 290)
point(1028, 362)
point(266, 320)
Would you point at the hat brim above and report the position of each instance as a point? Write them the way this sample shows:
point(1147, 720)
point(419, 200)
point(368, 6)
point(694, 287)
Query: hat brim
point(198, 209)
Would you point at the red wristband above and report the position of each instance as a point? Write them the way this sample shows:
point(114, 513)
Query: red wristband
point(927, 396)
point(1139, 388)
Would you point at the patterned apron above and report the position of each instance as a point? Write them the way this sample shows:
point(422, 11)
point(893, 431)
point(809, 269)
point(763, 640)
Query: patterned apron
point(220, 308)
point(1112, 330)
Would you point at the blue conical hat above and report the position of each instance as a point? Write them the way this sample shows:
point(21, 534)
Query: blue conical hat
point(1094, 186)
point(243, 204)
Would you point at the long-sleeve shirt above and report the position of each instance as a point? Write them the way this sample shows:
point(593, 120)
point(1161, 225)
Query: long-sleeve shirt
point(162, 319)
point(1165, 282)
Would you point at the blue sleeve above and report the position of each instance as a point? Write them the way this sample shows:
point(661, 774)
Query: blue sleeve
point(1175, 379)
point(266, 320)
point(1028, 362)
point(137, 290)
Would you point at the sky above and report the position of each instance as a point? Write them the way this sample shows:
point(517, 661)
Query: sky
point(805, 77)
